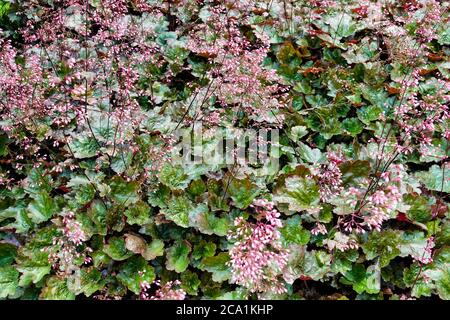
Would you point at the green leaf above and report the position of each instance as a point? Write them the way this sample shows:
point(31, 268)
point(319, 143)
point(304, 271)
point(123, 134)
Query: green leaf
point(33, 271)
point(123, 192)
point(354, 170)
point(41, 239)
point(238, 294)
point(243, 192)
point(174, 177)
point(420, 207)
point(304, 263)
point(444, 37)
point(159, 197)
point(84, 193)
point(341, 25)
point(343, 261)
point(324, 120)
point(38, 182)
point(436, 179)
point(316, 264)
point(361, 53)
point(421, 287)
point(430, 278)
point(353, 126)
point(7, 254)
point(115, 218)
point(206, 222)
point(100, 258)
point(137, 244)
point(154, 249)
point(217, 265)
point(196, 187)
point(303, 86)
point(42, 208)
point(413, 243)
point(138, 214)
point(97, 213)
point(121, 162)
point(434, 151)
point(84, 147)
point(204, 249)
point(178, 256)
point(135, 271)
point(22, 221)
point(368, 114)
point(116, 249)
point(377, 96)
point(443, 285)
point(4, 8)
point(56, 289)
point(3, 144)
point(308, 154)
point(85, 281)
point(363, 280)
point(9, 278)
point(293, 232)
point(178, 209)
point(373, 275)
point(299, 193)
point(32, 261)
point(326, 214)
point(443, 235)
point(384, 245)
point(298, 132)
point(190, 282)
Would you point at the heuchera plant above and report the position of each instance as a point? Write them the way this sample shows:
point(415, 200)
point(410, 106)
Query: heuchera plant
point(94, 204)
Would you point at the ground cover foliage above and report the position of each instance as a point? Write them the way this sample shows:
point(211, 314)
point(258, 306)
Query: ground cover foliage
point(93, 205)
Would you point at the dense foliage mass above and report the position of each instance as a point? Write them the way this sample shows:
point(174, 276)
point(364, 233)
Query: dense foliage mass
point(94, 205)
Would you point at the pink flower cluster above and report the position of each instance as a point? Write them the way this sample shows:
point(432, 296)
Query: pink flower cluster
point(165, 292)
point(72, 229)
point(79, 63)
point(64, 255)
point(329, 175)
point(237, 77)
point(341, 242)
point(427, 21)
point(257, 256)
point(319, 229)
point(420, 114)
point(427, 256)
point(373, 208)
